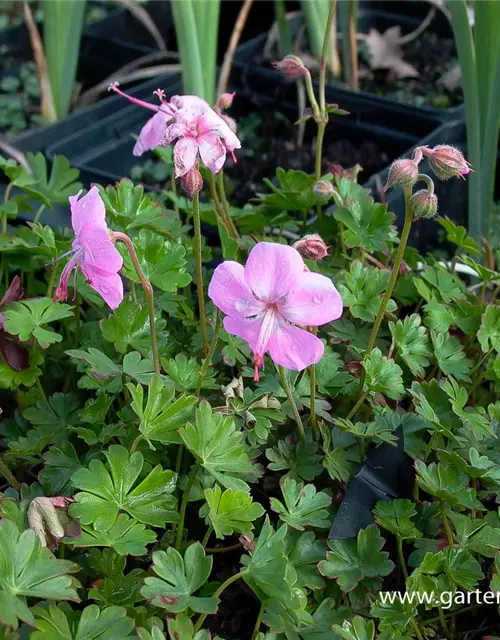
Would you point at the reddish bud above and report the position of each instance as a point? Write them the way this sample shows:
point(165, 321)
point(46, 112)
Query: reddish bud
point(312, 246)
point(225, 100)
point(247, 543)
point(403, 173)
point(192, 182)
point(424, 204)
point(447, 161)
point(323, 190)
point(291, 66)
point(354, 367)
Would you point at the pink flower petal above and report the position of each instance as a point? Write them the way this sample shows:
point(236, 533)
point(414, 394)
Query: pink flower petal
point(273, 270)
point(314, 302)
point(173, 131)
point(230, 292)
point(190, 107)
point(246, 328)
point(108, 286)
point(185, 152)
point(213, 123)
point(152, 133)
point(100, 251)
point(212, 152)
point(88, 211)
point(294, 348)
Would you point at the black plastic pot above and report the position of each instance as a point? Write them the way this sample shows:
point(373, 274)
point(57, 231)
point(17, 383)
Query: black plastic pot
point(249, 57)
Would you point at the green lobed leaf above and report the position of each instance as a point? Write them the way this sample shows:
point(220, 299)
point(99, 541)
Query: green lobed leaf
point(230, 512)
point(26, 319)
point(383, 375)
point(108, 490)
point(180, 577)
point(412, 343)
point(303, 505)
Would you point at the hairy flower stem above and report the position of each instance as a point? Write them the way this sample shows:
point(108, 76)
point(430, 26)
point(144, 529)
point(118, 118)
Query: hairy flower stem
point(225, 204)
point(184, 504)
point(289, 395)
point(220, 210)
point(258, 622)
point(392, 281)
point(206, 538)
point(416, 629)
point(446, 523)
point(208, 360)
point(402, 557)
point(199, 271)
point(148, 292)
point(223, 586)
point(360, 401)
point(7, 474)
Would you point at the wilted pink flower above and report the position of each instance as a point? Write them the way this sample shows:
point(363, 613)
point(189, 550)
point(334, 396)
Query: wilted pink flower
point(93, 250)
point(193, 123)
point(199, 130)
point(447, 161)
point(266, 298)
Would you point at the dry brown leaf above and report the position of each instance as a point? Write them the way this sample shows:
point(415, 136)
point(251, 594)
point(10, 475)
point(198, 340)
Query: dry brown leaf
point(385, 52)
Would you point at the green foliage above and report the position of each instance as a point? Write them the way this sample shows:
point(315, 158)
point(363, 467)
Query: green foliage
point(351, 561)
point(230, 511)
point(180, 577)
point(219, 447)
point(29, 570)
point(26, 319)
point(107, 491)
point(303, 506)
point(139, 464)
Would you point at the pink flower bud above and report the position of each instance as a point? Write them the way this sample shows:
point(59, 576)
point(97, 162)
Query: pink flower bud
point(225, 100)
point(403, 173)
point(312, 246)
point(291, 66)
point(424, 204)
point(447, 161)
point(192, 182)
point(323, 190)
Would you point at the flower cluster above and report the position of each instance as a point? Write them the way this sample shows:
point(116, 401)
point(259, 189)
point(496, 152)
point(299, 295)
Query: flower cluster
point(197, 128)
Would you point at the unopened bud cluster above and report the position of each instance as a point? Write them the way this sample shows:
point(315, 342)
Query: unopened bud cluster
point(291, 66)
point(445, 161)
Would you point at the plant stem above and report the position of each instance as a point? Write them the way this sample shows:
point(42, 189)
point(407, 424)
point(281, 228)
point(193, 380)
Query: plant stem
point(148, 292)
point(206, 538)
point(223, 586)
point(41, 209)
point(324, 55)
point(360, 401)
point(135, 443)
point(199, 271)
point(233, 547)
point(225, 205)
point(38, 385)
point(443, 622)
point(402, 558)
point(446, 523)
point(211, 351)
point(7, 474)
point(184, 503)
point(392, 280)
point(416, 629)
point(289, 395)
point(258, 622)
point(178, 460)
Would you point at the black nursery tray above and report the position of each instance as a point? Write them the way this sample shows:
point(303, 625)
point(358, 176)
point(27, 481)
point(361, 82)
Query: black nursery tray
point(372, 135)
point(249, 55)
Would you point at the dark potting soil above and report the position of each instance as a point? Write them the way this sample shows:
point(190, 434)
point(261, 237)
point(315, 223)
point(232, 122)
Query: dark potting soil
point(433, 56)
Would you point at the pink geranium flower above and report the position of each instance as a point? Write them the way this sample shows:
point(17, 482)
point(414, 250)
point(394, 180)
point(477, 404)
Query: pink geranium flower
point(264, 300)
point(198, 129)
point(93, 250)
